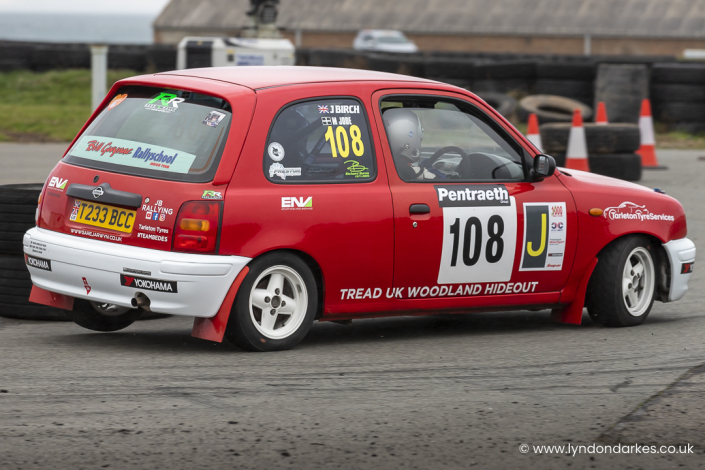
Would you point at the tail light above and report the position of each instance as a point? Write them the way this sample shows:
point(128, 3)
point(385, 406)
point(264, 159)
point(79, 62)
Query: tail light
point(196, 229)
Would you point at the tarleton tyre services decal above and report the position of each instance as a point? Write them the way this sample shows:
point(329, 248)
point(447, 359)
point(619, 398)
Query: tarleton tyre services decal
point(148, 284)
point(545, 226)
point(479, 233)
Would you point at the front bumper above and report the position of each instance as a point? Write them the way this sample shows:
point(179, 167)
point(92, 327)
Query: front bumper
point(91, 269)
point(681, 255)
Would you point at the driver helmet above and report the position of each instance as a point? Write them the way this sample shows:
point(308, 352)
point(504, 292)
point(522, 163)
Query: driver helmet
point(288, 125)
point(405, 133)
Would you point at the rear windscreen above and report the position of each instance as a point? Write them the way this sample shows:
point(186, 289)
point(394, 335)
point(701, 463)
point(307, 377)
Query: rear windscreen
point(158, 133)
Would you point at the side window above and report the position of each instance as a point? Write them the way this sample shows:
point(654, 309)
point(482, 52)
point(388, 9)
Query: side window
point(326, 140)
point(433, 139)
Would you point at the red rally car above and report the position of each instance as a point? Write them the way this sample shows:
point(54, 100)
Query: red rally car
point(260, 199)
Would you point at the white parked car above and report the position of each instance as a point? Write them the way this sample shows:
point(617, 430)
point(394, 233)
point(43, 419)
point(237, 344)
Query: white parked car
point(383, 40)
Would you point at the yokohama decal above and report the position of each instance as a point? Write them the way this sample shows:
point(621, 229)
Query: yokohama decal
point(148, 284)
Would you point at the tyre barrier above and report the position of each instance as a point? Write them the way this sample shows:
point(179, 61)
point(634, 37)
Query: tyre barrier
point(503, 104)
point(18, 203)
point(550, 108)
point(678, 95)
point(610, 147)
point(600, 138)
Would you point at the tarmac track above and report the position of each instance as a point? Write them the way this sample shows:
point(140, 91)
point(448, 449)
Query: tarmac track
point(438, 392)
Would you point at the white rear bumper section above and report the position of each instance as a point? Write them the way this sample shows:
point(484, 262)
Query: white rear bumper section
point(202, 281)
point(680, 252)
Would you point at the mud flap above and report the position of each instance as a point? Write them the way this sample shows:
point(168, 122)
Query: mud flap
point(573, 312)
point(52, 299)
point(213, 329)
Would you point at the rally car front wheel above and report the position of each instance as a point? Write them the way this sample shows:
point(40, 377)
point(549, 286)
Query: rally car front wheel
point(275, 305)
point(98, 316)
point(621, 289)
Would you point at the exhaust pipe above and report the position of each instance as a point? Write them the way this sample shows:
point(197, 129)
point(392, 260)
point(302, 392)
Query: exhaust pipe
point(141, 301)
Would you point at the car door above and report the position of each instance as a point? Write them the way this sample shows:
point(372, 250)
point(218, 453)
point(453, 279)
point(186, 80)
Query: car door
point(468, 221)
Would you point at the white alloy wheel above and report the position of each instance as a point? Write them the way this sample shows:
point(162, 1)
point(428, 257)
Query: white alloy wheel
point(109, 310)
point(278, 302)
point(638, 281)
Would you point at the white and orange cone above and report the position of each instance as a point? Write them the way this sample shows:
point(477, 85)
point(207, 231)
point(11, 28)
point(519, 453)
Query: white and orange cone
point(532, 132)
point(577, 157)
point(648, 143)
point(601, 118)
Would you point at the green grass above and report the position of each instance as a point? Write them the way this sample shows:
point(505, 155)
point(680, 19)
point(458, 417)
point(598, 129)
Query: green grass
point(49, 106)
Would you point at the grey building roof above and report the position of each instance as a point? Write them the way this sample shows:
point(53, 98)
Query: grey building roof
point(613, 18)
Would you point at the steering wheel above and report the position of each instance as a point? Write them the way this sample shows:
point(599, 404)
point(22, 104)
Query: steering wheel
point(444, 150)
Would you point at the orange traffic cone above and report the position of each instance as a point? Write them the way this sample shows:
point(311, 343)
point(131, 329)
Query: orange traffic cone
point(601, 118)
point(533, 133)
point(577, 157)
point(648, 144)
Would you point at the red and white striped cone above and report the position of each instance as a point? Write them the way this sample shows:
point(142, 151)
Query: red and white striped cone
point(532, 132)
point(577, 157)
point(601, 117)
point(648, 143)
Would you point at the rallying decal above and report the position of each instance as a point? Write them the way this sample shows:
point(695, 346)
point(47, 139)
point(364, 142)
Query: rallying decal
point(39, 263)
point(460, 290)
point(479, 233)
point(545, 227)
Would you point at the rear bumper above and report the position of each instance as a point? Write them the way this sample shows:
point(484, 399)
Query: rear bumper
point(92, 269)
point(681, 255)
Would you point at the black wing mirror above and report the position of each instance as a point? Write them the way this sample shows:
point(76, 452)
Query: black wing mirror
point(544, 165)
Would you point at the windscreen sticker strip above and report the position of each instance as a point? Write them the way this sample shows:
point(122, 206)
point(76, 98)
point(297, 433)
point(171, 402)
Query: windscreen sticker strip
point(134, 154)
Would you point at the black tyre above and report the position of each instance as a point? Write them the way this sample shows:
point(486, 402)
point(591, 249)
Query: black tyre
point(667, 92)
point(610, 138)
point(275, 305)
point(102, 317)
point(678, 73)
point(18, 205)
point(550, 108)
point(504, 104)
point(573, 89)
point(585, 71)
point(678, 112)
point(32, 311)
point(625, 166)
point(622, 287)
point(441, 68)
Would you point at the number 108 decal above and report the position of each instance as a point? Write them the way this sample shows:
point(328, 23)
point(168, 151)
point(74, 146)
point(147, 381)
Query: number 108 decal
point(479, 234)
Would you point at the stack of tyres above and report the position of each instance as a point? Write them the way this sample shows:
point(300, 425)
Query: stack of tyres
point(610, 147)
point(574, 80)
point(678, 95)
point(18, 204)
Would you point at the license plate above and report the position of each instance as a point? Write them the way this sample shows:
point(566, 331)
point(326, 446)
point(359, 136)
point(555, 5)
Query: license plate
point(103, 216)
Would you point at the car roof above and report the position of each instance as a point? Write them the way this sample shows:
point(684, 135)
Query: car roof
point(273, 76)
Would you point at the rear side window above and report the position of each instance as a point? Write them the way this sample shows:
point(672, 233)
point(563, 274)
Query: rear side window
point(157, 133)
point(326, 140)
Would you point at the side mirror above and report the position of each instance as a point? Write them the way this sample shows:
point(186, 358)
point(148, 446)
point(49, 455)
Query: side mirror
point(544, 165)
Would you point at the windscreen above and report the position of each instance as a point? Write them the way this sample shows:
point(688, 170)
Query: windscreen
point(157, 133)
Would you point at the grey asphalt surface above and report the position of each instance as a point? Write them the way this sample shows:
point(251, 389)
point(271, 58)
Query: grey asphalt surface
point(444, 392)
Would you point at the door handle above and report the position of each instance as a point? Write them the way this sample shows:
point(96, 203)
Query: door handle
point(419, 209)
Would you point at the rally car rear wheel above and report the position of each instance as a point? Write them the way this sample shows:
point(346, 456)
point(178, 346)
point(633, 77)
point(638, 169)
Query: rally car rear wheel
point(98, 316)
point(621, 289)
point(275, 305)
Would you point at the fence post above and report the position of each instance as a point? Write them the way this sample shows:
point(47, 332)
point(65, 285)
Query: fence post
point(99, 72)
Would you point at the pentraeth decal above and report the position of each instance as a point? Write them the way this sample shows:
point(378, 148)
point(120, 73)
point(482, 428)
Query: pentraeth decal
point(545, 227)
point(479, 233)
point(148, 284)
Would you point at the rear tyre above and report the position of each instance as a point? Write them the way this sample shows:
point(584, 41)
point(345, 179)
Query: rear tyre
point(622, 287)
point(275, 305)
point(102, 317)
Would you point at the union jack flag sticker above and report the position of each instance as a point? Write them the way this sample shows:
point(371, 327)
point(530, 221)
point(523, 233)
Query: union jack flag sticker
point(323, 109)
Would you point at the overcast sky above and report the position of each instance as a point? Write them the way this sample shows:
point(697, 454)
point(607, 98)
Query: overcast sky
point(140, 7)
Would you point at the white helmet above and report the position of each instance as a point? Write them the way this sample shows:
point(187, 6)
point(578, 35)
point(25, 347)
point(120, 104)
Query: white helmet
point(404, 132)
